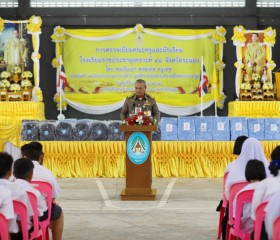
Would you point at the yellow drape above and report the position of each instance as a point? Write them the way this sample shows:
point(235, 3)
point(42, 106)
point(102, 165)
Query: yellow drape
point(169, 159)
point(254, 109)
point(11, 115)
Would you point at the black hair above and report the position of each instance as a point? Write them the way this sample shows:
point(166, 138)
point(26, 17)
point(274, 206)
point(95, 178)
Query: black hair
point(37, 145)
point(238, 144)
point(23, 168)
point(6, 162)
point(274, 165)
point(31, 152)
point(255, 33)
point(255, 170)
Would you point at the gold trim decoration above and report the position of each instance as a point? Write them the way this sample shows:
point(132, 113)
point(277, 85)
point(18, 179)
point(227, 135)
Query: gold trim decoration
point(57, 101)
point(239, 36)
point(35, 56)
point(218, 36)
point(220, 65)
point(269, 36)
point(34, 25)
point(1, 25)
point(270, 65)
point(58, 34)
point(37, 95)
point(55, 63)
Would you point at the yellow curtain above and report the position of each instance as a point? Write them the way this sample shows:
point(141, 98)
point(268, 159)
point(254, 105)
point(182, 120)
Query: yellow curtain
point(254, 109)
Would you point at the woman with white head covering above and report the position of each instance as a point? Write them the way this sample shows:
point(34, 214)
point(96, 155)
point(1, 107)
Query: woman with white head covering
point(251, 149)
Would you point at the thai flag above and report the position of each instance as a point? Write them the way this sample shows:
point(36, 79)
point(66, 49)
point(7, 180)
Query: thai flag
point(203, 85)
point(62, 80)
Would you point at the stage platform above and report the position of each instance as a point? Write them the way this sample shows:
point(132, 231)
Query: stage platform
point(169, 159)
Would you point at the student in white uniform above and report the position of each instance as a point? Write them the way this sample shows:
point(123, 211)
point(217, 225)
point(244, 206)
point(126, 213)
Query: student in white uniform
point(254, 173)
point(272, 212)
point(251, 149)
point(33, 151)
point(23, 172)
point(268, 187)
point(6, 162)
point(6, 203)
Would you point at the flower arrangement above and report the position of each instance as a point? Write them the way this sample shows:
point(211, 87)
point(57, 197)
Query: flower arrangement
point(256, 77)
point(140, 119)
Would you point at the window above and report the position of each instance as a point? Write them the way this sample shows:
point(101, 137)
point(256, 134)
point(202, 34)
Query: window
point(268, 3)
point(8, 3)
point(137, 3)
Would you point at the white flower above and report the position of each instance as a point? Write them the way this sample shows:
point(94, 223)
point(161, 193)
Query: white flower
point(139, 119)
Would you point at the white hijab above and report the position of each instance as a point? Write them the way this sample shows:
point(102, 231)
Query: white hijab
point(251, 149)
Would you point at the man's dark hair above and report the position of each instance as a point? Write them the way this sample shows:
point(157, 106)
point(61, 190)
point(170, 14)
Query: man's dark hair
point(23, 168)
point(6, 162)
point(37, 145)
point(31, 152)
point(254, 33)
point(238, 144)
point(255, 170)
point(274, 165)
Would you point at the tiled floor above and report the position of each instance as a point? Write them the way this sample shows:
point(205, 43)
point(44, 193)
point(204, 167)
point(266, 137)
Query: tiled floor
point(184, 209)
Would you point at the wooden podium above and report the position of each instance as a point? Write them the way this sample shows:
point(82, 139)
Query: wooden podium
point(138, 139)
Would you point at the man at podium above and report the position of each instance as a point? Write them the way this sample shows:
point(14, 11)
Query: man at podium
point(140, 101)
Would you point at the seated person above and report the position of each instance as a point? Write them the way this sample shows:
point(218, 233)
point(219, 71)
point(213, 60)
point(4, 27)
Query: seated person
point(33, 151)
point(6, 203)
point(6, 162)
point(23, 172)
point(254, 173)
point(268, 187)
point(272, 212)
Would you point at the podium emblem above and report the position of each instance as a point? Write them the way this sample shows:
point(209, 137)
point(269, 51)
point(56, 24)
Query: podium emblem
point(138, 148)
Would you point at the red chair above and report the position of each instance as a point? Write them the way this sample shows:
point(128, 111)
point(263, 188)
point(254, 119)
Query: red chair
point(4, 227)
point(37, 232)
point(276, 229)
point(242, 198)
point(46, 189)
point(260, 214)
point(21, 210)
point(223, 208)
point(234, 189)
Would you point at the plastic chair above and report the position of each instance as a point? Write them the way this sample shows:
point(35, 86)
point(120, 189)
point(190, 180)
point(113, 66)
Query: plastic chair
point(276, 229)
point(21, 210)
point(223, 208)
point(260, 214)
point(37, 232)
point(234, 189)
point(46, 189)
point(242, 198)
point(4, 227)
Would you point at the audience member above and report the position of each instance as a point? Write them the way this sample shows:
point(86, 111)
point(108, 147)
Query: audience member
point(33, 151)
point(236, 149)
point(272, 212)
point(23, 172)
point(251, 149)
point(268, 187)
point(6, 162)
point(6, 203)
point(254, 173)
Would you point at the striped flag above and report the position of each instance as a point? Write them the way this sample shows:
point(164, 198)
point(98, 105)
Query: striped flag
point(203, 85)
point(62, 80)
